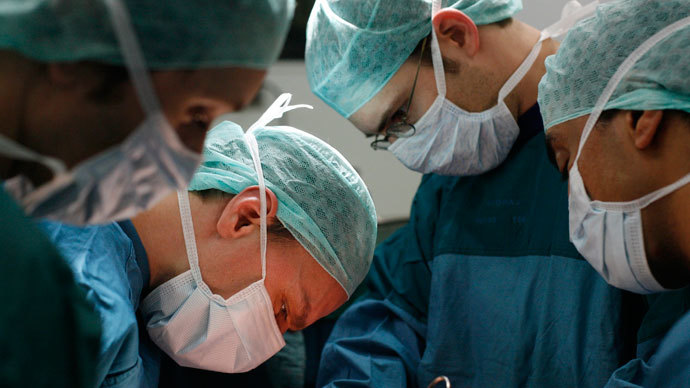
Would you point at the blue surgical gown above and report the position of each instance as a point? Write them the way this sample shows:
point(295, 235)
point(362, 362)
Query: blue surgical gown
point(110, 264)
point(668, 367)
point(483, 286)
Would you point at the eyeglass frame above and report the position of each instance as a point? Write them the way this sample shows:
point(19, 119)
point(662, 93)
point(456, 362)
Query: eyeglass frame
point(401, 129)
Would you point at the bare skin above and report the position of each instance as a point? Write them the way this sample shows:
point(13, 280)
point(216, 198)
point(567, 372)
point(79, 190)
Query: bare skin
point(485, 57)
point(49, 108)
point(227, 237)
point(627, 158)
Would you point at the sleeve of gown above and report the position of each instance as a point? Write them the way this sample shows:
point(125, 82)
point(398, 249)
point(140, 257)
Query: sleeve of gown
point(670, 366)
point(374, 343)
point(96, 255)
point(663, 349)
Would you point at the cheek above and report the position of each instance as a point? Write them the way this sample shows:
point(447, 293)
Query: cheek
point(97, 127)
point(424, 96)
point(591, 172)
point(246, 91)
point(597, 171)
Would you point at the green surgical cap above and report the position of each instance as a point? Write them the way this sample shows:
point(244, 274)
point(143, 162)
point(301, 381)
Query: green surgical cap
point(173, 34)
point(355, 47)
point(595, 48)
point(322, 200)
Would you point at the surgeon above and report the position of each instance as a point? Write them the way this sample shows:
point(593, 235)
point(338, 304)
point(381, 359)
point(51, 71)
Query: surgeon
point(622, 140)
point(482, 285)
point(213, 277)
point(105, 105)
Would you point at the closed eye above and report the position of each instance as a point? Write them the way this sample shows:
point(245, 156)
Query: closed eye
point(396, 117)
point(551, 145)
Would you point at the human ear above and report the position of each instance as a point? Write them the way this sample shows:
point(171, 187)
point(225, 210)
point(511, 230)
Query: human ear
point(242, 213)
point(642, 129)
point(456, 28)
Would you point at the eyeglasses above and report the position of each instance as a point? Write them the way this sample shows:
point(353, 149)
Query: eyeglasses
point(402, 128)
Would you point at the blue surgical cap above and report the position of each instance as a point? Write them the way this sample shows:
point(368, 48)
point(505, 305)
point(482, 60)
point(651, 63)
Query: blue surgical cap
point(355, 47)
point(594, 50)
point(173, 34)
point(322, 200)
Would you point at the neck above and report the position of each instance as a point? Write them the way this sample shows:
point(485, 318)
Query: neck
point(672, 153)
point(683, 232)
point(516, 42)
point(667, 227)
point(160, 231)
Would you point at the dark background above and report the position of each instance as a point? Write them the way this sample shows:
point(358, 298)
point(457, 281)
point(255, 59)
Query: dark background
point(296, 39)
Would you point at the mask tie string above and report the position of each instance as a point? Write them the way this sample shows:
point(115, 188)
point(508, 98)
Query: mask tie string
point(275, 111)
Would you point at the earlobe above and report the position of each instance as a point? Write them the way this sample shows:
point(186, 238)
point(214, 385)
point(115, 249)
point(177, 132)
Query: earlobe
point(243, 212)
point(457, 28)
point(645, 128)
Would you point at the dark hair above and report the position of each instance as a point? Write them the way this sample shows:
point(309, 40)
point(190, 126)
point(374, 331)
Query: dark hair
point(608, 115)
point(683, 115)
point(276, 230)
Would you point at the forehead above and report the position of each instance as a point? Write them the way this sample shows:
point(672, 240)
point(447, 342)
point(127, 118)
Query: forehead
point(234, 86)
point(323, 292)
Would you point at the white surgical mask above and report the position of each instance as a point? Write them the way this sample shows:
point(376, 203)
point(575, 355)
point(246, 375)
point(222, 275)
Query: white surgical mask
point(123, 180)
point(609, 235)
point(200, 329)
point(452, 141)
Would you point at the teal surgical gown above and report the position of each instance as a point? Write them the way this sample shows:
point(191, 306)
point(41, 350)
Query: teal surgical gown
point(483, 286)
point(110, 265)
point(48, 331)
point(670, 365)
